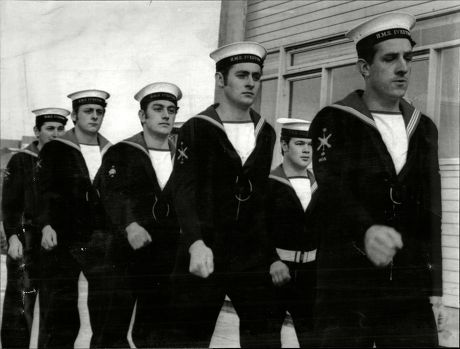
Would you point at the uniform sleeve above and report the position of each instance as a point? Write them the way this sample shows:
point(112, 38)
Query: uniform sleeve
point(13, 196)
point(345, 218)
point(49, 186)
point(119, 189)
point(432, 207)
point(270, 215)
point(185, 181)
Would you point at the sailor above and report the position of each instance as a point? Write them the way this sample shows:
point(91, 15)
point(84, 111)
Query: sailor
point(136, 190)
point(291, 228)
point(19, 207)
point(221, 170)
point(72, 224)
point(375, 157)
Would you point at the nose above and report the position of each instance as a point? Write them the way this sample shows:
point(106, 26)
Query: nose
point(403, 66)
point(250, 81)
point(55, 133)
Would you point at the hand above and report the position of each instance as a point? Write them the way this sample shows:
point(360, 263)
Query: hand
point(440, 312)
point(201, 259)
point(381, 244)
point(14, 247)
point(280, 273)
point(49, 238)
point(137, 236)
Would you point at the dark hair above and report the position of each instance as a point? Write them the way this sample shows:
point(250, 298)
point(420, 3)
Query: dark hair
point(366, 50)
point(286, 139)
point(226, 69)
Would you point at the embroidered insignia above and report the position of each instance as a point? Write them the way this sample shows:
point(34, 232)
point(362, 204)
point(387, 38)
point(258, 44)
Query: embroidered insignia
point(182, 155)
point(324, 144)
point(112, 171)
point(38, 165)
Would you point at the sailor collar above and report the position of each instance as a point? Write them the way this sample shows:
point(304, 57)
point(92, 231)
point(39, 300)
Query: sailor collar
point(210, 115)
point(138, 141)
point(69, 138)
point(31, 149)
point(354, 105)
point(279, 175)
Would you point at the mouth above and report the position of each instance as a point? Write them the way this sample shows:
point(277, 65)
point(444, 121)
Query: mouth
point(248, 94)
point(93, 124)
point(164, 124)
point(306, 158)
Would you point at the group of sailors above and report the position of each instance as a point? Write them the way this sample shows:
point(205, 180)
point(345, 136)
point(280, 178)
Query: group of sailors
point(175, 226)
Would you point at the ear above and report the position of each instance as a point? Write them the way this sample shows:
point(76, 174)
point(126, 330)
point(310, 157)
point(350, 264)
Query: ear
point(74, 116)
point(284, 146)
point(219, 79)
point(36, 131)
point(141, 115)
point(363, 67)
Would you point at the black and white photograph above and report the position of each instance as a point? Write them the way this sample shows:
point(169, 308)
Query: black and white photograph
point(229, 173)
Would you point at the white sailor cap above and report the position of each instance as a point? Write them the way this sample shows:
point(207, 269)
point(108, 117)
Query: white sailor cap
point(50, 114)
point(156, 91)
point(89, 97)
point(239, 52)
point(294, 127)
point(388, 26)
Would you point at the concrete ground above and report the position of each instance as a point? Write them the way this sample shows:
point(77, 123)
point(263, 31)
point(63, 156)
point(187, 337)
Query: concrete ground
point(226, 331)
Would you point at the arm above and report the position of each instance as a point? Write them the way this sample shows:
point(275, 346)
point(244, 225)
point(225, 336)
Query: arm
point(119, 193)
point(186, 171)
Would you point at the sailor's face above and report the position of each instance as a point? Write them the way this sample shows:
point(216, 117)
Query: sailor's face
point(243, 84)
point(159, 117)
point(298, 151)
point(49, 131)
point(389, 73)
point(89, 117)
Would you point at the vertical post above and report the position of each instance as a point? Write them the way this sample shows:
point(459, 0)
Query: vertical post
point(232, 26)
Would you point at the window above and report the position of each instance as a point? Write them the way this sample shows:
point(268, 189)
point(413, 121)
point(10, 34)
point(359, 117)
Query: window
point(449, 99)
point(344, 80)
point(305, 97)
point(418, 83)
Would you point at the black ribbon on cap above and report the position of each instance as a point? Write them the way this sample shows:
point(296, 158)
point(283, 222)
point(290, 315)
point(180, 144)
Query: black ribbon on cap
point(41, 119)
point(242, 58)
point(383, 35)
point(157, 96)
point(285, 132)
point(88, 100)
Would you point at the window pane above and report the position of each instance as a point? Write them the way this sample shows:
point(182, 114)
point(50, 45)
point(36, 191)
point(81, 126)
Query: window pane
point(305, 98)
point(418, 84)
point(450, 103)
point(345, 80)
point(265, 103)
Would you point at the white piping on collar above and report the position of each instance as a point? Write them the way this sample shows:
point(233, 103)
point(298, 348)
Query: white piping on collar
point(280, 179)
point(138, 146)
point(27, 151)
point(356, 113)
point(69, 143)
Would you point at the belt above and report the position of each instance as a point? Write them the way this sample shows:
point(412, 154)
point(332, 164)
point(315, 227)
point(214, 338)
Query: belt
point(296, 256)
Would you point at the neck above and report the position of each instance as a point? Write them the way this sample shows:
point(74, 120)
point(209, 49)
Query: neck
point(85, 138)
point(232, 112)
point(40, 145)
point(293, 170)
point(156, 141)
point(373, 102)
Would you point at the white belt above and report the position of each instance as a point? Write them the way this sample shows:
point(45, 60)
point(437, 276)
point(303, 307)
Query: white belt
point(296, 256)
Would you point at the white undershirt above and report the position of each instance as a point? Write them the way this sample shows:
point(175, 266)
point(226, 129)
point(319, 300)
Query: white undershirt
point(93, 158)
point(242, 137)
point(302, 188)
point(162, 164)
point(393, 131)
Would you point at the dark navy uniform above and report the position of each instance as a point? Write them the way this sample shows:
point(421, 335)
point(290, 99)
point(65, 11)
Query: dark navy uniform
point(359, 187)
point(221, 201)
point(70, 204)
point(131, 193)
point(19, 207)
point(294, 237)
